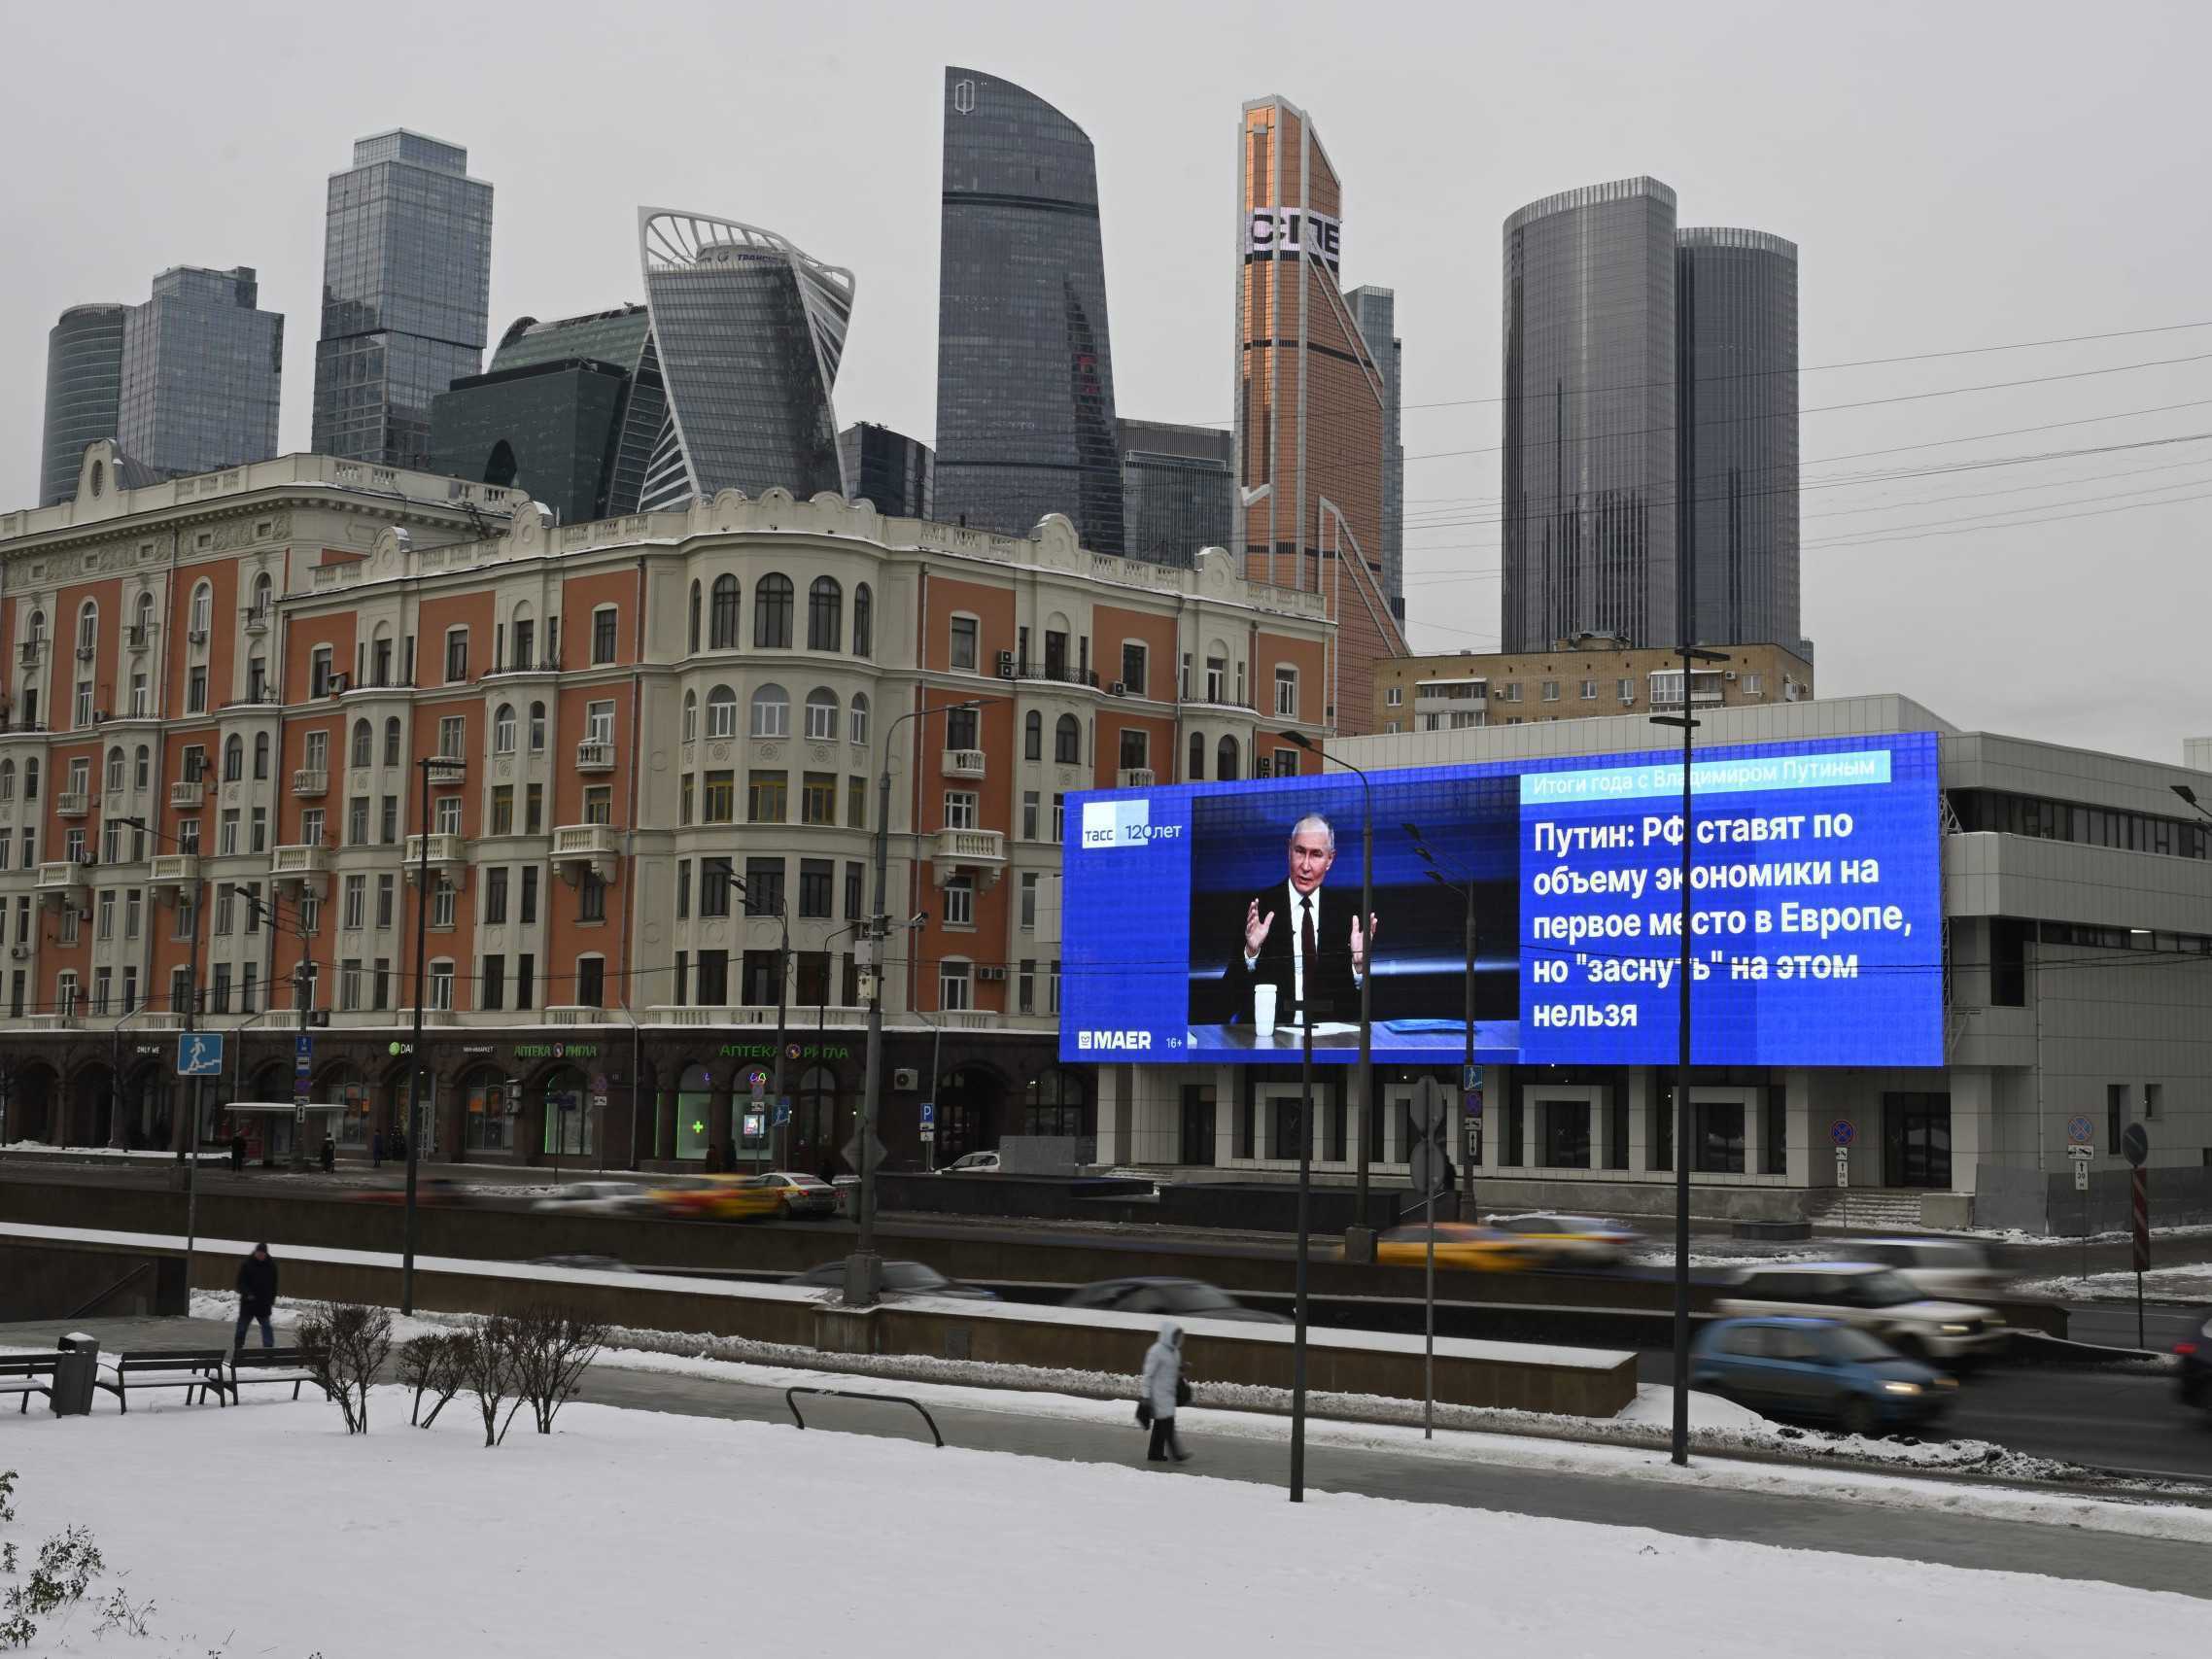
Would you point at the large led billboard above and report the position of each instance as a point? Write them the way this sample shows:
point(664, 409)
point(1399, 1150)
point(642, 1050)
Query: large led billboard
point(1211, 922)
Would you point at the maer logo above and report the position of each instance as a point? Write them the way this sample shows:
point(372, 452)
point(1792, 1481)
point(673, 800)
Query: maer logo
point(1123, 1040)
point(1115, 823)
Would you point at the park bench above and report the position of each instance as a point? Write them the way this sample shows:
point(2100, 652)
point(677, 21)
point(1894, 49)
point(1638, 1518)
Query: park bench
point(199, 1372)
point(20, 1373)
point(269, 1365)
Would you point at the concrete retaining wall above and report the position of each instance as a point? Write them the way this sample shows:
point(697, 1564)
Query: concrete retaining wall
point(58, 1281)
point(2044, 1201)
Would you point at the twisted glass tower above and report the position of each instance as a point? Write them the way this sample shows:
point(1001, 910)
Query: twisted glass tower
point(83, 393)
point(1024, 364)
point(749, 331)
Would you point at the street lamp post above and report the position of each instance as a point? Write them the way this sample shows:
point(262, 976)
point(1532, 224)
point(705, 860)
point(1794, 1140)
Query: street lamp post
point(864, 1268)
point(430, 763)
point(188, 1139)
point(782, 914)
point(1465, 887)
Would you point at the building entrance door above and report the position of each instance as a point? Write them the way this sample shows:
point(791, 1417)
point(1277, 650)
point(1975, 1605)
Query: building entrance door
point(1916, 1140)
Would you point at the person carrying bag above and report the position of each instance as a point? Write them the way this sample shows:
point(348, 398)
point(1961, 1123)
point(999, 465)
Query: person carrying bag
point(1160, 1391)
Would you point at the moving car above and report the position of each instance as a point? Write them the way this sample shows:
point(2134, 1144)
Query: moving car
point(801, 1194)
point(589, 1264)
point(900, 1279)
point(1817, 1368)
point(1876, 1300)
point(716, 1198)
point(973, 1163)
point(2195, 1355)
point(1569, 1240)
point(1459, 1244)
point(439, 1189)
point(1953, 1267)
point(593, 1198)
point(1187, 1299)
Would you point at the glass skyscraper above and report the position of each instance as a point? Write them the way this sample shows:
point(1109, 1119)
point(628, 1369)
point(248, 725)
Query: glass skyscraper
point(749, 331)
point(1024, 363)
point(84, 392)
point(1375, 310)
point(895, 471)
point(1178, 490)
point(1736, 297)
point(406, 291)
point(202, 368)
point(1589, 394)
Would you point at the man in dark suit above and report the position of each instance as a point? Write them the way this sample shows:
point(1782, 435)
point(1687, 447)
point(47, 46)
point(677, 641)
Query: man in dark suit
point(1287, 928)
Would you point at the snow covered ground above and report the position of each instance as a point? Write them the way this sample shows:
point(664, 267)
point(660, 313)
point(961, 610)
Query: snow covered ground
point(2192, 1283)
point(264, 1530)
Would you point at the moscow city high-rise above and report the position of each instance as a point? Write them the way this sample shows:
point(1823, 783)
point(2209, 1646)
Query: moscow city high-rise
point(1024, 361)
point(83, 393)
point(1650, 410)
point(406, 291)
point(1312, 406)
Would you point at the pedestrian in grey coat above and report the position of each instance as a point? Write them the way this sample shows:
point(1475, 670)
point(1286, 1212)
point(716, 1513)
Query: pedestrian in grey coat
point(1161, 1389)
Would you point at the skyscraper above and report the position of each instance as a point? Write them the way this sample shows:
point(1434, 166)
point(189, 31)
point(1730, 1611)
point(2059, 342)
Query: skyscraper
point(406, 290)
point(1024, 364)
point(895, 471)
point(1178, 490)
point(1311, 407)
point(569, 411)
point(1589, 455)
point(1736, 297)
point(83, 393)
point(749, 331)
point(202, 368)
point(1376, 311)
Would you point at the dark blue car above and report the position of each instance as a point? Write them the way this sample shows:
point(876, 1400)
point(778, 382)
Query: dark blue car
point(1819, 1368)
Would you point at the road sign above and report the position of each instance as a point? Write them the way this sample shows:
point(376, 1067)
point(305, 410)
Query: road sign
point(929, 1114)
point(1843, 1132)
point(756, 1083)
point(1431, 1167)
point(599, 1101)
point(2142, 1218)
point(1471, 1102)
point(303, 1051)
point(2081, 1154)
point(782, 1112)
point(2135, 1142)
point(929, 1133)
point(875, 1149)
point(1471, 1077)
point(2081, 1175)
point(1428, 1107)
point(2080, 1130)
point(1842, 1166)
point(199, 1054)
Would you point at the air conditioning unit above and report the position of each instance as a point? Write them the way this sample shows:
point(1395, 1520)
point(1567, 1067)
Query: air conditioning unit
point(905, 1077)
point(1006, 665)
point(1730, 674)
point(339, 684)
point(20, 952)
point(1120, 688)
point(990, 973)
point(319, 1016)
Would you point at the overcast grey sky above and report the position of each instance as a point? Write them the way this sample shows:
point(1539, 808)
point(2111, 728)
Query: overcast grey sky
point(1954, 175)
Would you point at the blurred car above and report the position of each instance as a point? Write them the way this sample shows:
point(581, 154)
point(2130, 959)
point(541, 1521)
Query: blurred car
point(1188, 1298)
point(973, 1163)
point(801, 1194)
point(1880, 1300)
point(900, 1278)
point(2195, 1355)
point(593, 1198)
point(1569, 1240)
point(1459, 1244)
point(441, 1190)
point(1817, 1368)
point(590, 1264)
point(716, 1198)
point(1953, 1267)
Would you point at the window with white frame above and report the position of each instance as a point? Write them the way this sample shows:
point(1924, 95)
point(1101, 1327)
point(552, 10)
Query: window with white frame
point(856, 722)
point(956, 985)
point(503, 729)
point(960, 902)
point(599, 722)
point(444, 903)
point(822, 716)
point(960, 808)
point(690, 716)
point(448, 811)
point(966, 631)
point(771, 713)
point(1286, 690)
point(721, 713)
point(442, 984)
point(452, 735)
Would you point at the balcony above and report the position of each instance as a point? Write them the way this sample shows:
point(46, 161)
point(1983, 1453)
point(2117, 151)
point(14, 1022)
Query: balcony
point(973, 1020)
point(73, 803)
point(257, 619)
point(964, 763)
point(63, 878)
point(175, 870)
point(576, 1016)
point(195, 635)
point(594, 754)
point(977, 850)
point(66, 1021)
point(86, 653)
point(32, 651)
point(592, 845)
point(138, 636)
point(439, 849)
point(310, 780)
point(187, 794)
point(1133, 777)
point(299, 862)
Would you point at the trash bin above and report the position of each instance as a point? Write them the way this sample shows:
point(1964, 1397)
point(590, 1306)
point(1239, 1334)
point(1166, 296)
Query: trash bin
point(74, 1374)
point(848, 1195)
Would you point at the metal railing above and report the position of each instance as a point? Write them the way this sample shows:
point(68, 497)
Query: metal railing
point(791, 1403)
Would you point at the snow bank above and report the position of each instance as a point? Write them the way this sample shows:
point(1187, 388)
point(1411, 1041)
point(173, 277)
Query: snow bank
point(2187, 1284)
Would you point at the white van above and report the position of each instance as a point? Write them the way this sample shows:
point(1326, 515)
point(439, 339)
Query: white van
point(1872, 1299)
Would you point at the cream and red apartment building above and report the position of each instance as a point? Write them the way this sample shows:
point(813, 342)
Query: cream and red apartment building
point(647, 752)
point(1577, 679)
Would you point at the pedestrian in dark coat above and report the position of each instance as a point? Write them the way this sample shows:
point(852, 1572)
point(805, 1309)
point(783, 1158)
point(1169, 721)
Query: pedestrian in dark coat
point(237, 1149)
point(257, 1296)
point(1161, 1389)
point(377, 1150)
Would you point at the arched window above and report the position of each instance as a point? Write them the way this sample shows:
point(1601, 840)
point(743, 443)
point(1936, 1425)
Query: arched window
point(262, 756)
point(722, 630)
point(392, 741)
point(825, 614)
point(7, 780)
point(380, 655)
point(37, 634)
point(691, 631)
point(772, 612)
point(503, 729)
point(1198, 772)
point(143, 773)
point(771, 713)
point(116, 765)
point(87, 626)
point(364, 743)
point(265, 591)
point(1033, 736)
point(690, 715)
point(203, 610)
point(863, 621)
point(1226, 761)
point(537, 728)
point(144, 620)
point(721, 713)
point(1068, 741)
point(233, 758)
point(856, 723)
point(822, 716)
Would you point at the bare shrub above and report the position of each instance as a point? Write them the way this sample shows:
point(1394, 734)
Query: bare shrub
point(435, 1365)
point(346, 1345)
point(489, 1371)
point(552, 1352)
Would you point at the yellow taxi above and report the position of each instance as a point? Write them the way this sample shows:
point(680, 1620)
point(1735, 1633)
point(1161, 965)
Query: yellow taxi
point(1459, 1244)
point(717, 1199)
point(1570, 1241)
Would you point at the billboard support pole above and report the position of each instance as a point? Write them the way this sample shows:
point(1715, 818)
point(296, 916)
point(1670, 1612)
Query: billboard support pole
point(1305, 1188)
